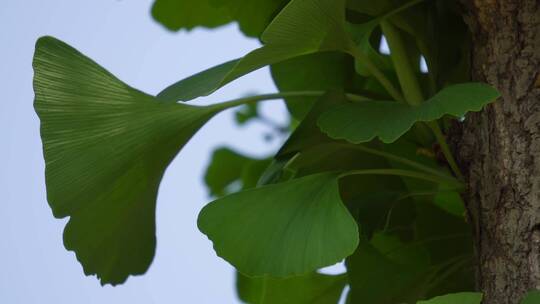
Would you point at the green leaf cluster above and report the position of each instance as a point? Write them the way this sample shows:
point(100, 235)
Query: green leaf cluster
point(366, 176)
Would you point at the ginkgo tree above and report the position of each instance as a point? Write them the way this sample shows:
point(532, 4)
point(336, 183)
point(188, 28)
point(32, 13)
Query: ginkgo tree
point(367, 175)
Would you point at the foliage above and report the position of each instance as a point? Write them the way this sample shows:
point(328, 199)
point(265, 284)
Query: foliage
point(361, 122)
point(366, 176)
point(531, 297)
point(304, 224)
point(462, 297)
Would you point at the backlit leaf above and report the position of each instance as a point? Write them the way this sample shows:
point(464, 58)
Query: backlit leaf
point(282, 230)
point(106, 147)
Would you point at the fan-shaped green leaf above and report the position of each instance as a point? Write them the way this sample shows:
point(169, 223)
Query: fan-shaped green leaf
point(315, 24)
point(283, 229)
point(106, 146)
point(302, 27)
point(363, 121)
point(455, 298)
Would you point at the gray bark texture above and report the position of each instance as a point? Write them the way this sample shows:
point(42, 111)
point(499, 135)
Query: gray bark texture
point(499, 148)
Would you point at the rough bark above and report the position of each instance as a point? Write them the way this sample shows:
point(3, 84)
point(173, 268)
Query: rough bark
point(499, 148)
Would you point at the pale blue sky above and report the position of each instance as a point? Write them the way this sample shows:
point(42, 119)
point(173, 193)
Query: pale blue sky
point(122, 37)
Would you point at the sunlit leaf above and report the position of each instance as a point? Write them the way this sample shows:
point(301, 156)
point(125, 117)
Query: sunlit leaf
point(106, 146)
point(302, 27)
point(282, 230)
point(315, 24)
point(362, 121)
point(455, 298)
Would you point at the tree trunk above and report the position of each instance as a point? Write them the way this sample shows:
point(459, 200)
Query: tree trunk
point(499, 148)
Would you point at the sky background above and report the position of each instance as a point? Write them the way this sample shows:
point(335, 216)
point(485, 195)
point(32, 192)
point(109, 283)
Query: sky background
point(122, 37)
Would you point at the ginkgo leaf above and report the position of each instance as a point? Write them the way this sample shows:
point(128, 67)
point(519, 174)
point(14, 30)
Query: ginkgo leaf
point(252, 16)
point(106, 146)
point(315, 24)
point(363, 121)
point(186, 14)
point(454, 298)
point(282, 230)
point(302, 27)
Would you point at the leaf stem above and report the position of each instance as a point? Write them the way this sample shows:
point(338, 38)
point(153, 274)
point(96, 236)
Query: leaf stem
point(454, 266)
point(427, 240)
point(373, 69)
point(434, 126)
point(411, 88)
point(280, 95)
point(378, 74)
point(400, 159)
point(402, 64)
point(263, 290)
point(402, 8)
point(406, 173)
